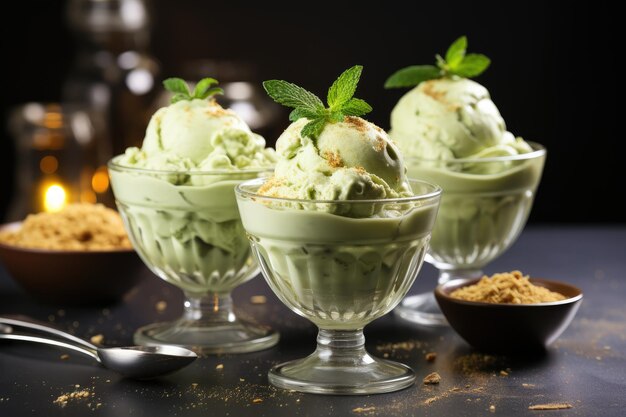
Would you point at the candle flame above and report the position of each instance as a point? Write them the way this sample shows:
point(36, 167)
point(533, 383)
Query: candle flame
point(55, 197)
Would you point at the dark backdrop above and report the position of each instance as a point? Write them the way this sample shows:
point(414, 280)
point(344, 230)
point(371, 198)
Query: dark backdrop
point(554, 74)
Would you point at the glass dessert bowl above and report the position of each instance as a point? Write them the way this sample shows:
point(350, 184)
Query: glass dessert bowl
point(485, 205)
point(186, 227)
point(340, 264)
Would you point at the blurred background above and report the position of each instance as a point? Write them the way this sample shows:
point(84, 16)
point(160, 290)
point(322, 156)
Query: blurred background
point(83, 76)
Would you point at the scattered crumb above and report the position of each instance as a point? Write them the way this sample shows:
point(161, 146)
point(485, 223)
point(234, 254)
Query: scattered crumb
point(257, 400)
point(242, 380)
point(492, 408)
point(160, 306)
point(64, 399)
point(431, 356)
point(219, 367)
point(363, 409)
point(97, 339)
point(64, 357)
point(194, 385)
point(525, 385)
point(258, 299)
point(551, 406)
point(432, 379)
point(504, 373)
point(598, 358)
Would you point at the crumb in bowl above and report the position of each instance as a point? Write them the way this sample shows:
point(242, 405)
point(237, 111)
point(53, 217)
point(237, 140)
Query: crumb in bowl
point(79, 226)
point(506, 288)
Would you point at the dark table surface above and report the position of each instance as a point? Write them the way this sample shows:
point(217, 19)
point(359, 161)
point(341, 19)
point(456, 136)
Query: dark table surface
point(585, 367)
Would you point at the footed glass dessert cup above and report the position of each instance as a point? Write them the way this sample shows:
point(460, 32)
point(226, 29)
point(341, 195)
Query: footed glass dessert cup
point(340, 264)
point(484, 207)
point(186, 228)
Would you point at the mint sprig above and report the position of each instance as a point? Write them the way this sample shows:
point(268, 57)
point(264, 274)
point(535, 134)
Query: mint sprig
point(202, 91)
point(340, 100)
point(456, 63)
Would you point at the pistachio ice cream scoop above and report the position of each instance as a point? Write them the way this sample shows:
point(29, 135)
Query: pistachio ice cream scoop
point(176, 196)
point(452, 133)
point(340, 234)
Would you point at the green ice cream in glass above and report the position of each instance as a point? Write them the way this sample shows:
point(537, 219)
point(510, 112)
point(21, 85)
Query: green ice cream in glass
point(340, 234)
point(452, 134)
point(176, 197)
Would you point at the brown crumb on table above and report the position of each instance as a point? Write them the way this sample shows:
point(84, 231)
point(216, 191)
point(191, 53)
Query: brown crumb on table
point(551, 406)
point(432, 379)
point(64, 357)
point(160, 306)
point(506, 288)
point(363, 409)
point(431, 356)
point(64, 399)
point(525, 385)
point(78, 226)
point(219, 367)
point(504, 373)
point(257, 400)
point(97, 339)
point(258, 299)
point(492, 408)
point(194, 385)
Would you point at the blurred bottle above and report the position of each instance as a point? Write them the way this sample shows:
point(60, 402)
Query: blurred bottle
point(59, 157)
point(113, 73)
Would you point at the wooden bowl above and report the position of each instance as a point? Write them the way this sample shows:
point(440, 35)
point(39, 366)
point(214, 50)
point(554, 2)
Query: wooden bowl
point(507, 328)
point(69, 276)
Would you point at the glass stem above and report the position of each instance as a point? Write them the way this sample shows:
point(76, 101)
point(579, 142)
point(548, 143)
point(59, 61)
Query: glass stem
point(446, 275)
point(209, 308)
point(342, 346)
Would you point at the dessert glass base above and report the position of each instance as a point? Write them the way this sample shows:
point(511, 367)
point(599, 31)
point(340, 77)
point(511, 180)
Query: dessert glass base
point(186, 228)
point(341, 366)
point(340, 273)
point(484, 208)
point(208, 326)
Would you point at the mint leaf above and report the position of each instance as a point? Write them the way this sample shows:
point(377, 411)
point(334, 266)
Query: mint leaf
point(179, 97)
point(203, 86)
point(412, 76)
point(210, 92)
point(176, 85)
point(291, 95)
point(472, 66)
point(456, 52)
point(457, 62)
point(344, 87)
point(308, 105)
point(314, 128)
point(356, 107)
point(302, 112)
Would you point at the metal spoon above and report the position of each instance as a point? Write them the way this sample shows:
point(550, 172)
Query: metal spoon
point(139, 362)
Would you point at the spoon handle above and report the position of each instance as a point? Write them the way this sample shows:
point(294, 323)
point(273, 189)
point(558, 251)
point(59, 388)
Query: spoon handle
point(37, 339)
point(49, 330)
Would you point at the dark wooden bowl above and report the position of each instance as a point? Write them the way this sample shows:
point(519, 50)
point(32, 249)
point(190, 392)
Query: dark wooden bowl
point(509, 328)
point(72, 277)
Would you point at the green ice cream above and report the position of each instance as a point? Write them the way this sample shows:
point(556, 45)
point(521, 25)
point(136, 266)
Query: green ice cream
point(451, 133)
point(198, 135)
point(333, 255)
point(350, 160)
point(452, 118)
point(176, 194)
